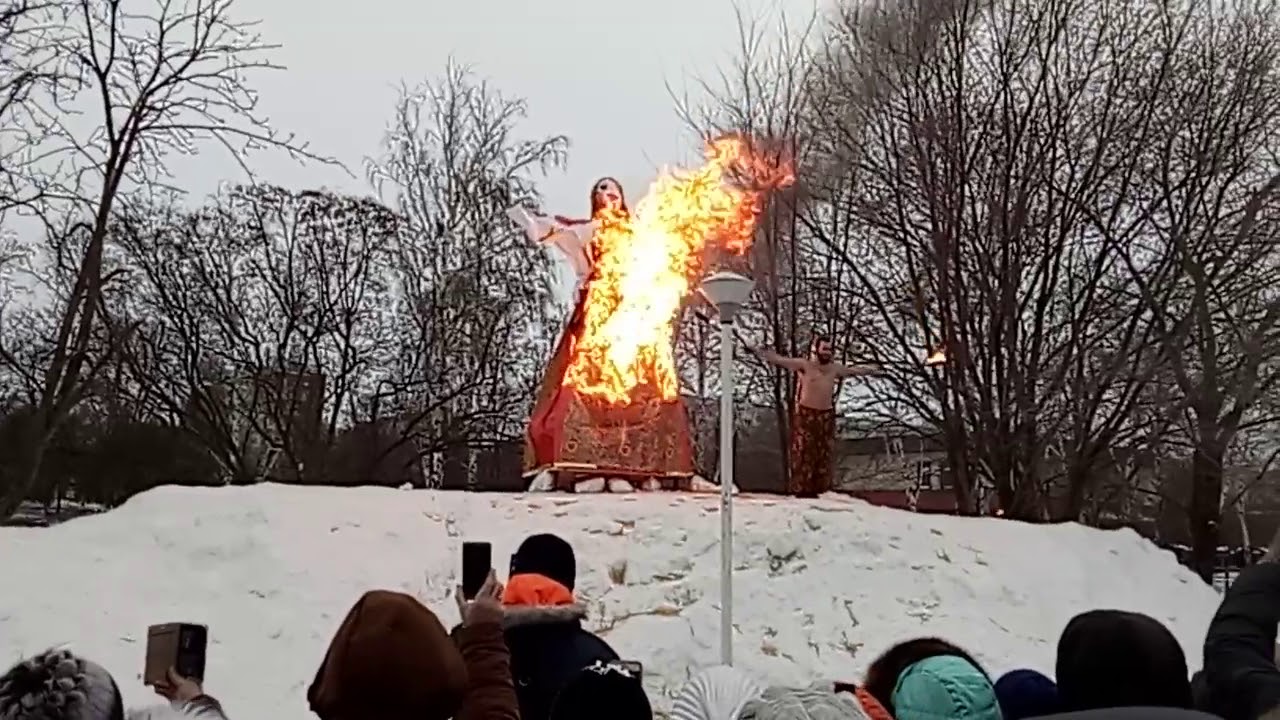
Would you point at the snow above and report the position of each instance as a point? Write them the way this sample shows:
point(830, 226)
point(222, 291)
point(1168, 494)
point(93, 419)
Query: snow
point(822, 586)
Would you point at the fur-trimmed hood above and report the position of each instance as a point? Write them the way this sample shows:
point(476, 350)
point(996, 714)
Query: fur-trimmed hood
point(515, 616)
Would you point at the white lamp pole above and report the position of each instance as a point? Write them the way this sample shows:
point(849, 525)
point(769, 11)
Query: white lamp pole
point(728, 292)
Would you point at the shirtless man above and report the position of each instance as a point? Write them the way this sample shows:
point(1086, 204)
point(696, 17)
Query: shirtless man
point(813, 426)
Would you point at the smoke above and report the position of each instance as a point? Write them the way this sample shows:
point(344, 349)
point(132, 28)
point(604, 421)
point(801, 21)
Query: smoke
point(870, 50)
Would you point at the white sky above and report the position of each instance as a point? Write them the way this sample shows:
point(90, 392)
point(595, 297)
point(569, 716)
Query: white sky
point(592, 70)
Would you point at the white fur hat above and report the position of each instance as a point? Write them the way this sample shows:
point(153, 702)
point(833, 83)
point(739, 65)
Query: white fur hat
point(717, 693)
point(59, 685)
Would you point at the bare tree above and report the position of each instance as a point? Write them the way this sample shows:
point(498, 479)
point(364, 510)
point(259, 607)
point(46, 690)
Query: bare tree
point(261, 323)
point(1205, 266)
point(29, 67)
point(162, 83)
point(763, 95)
point(1250, 472)
point(984, 145)
point(476, 296)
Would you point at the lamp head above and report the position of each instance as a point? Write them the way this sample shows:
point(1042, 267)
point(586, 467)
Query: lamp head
point(728, 291)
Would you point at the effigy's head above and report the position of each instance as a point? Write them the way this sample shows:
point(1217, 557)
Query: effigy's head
point(820, 349)
point(606, 194)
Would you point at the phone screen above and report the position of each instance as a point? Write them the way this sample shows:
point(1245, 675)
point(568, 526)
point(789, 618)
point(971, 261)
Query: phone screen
point(192, 645)
point(477, 561)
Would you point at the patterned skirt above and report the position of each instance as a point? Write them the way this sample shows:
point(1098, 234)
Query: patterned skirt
point(813, 440)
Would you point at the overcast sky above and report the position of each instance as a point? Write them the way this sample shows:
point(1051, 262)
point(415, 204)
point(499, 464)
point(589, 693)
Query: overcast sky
point(590, 69)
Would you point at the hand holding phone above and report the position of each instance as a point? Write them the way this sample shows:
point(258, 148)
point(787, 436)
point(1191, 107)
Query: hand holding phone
point(486, 607)
point(480, 594)
point(175, 649)
point(179, 689)
point(477, 563)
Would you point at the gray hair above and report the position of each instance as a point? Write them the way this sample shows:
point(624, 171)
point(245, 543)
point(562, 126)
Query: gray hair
point(58, 685)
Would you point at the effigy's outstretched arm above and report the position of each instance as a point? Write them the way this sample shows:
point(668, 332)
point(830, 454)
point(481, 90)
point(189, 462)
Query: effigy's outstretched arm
point(572, 237)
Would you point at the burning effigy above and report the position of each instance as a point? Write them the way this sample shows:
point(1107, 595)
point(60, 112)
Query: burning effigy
point(609, 405)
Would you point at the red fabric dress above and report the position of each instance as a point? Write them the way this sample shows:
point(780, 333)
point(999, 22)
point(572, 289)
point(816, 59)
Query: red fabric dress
point(648, 437)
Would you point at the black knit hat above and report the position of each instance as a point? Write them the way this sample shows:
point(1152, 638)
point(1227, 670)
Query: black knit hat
point(58, 685)
point(602, 690)
point(546, 555)
point(1113, 659)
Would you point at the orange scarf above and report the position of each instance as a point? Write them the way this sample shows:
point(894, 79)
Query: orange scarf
point(529, 590)
point(870, 705)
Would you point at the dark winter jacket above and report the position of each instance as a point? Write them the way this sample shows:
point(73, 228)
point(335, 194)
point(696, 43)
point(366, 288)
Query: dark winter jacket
point(1133, 713)
point(491, 694)
point(603, 691)
point(549, 647)
point(1239, 650)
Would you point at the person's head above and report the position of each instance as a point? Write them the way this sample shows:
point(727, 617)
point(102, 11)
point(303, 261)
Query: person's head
point(607, 194)
point(549, 556)
point(778, 703)
point(392, 659)
point(1027, 694)
point(602, 690)
point(820, 349)
point(944, 686)
point(717, 692)
point(1114, 659)
point(884, 673)
point(59, 685)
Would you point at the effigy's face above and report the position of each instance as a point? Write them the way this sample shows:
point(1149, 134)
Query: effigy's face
point(608, 195)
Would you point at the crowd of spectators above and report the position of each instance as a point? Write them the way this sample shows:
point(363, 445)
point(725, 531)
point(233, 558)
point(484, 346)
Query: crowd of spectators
point(520, 652)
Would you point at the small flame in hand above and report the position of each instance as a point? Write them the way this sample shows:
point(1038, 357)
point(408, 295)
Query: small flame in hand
point(937, 357)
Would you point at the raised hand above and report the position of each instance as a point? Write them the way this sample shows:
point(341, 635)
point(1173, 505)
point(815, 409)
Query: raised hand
point(487, 605)
point(178, 689)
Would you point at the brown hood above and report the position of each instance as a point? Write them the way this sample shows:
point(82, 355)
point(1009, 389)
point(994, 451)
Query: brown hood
point(391, 659)
point(526, 615)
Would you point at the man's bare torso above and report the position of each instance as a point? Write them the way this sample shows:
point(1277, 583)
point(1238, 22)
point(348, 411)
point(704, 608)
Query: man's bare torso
point(818, 376)
point(817, 385)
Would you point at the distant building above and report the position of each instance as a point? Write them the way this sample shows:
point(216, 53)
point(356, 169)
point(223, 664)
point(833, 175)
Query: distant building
point(898, 467)
point(375, 452)
point(274, 419)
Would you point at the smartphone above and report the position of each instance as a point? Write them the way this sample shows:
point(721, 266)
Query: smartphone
point(477, 561)
point(180, 646)
point(634, 668)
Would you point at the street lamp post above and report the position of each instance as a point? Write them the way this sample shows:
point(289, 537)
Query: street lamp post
point(728, 292)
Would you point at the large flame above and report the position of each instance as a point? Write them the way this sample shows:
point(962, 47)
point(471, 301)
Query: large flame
point(647, 263)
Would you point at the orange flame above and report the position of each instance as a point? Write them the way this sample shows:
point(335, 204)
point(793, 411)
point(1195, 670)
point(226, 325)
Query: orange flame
point(647, 263)
point(937, 357)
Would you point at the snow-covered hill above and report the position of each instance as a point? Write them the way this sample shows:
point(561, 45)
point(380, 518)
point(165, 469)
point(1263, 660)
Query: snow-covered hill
point(823, 585)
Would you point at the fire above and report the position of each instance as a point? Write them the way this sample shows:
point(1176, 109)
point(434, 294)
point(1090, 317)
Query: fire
point(647, 263)
point(937, 357)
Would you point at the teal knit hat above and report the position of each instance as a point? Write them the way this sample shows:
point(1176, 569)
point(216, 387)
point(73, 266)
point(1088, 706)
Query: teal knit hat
point(944, 687)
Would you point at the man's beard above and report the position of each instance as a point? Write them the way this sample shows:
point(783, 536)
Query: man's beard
point(823, 358)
